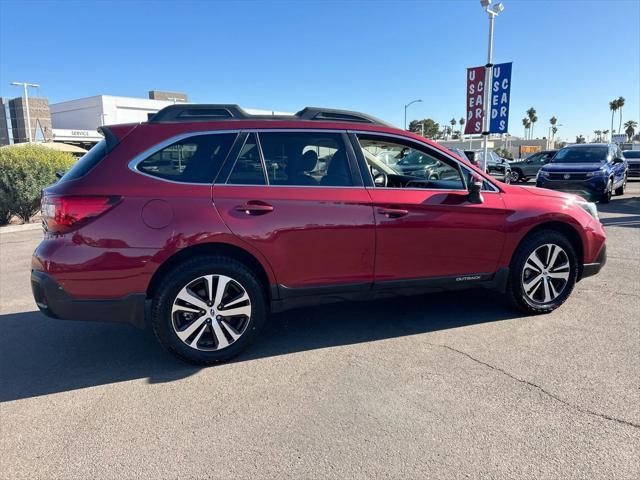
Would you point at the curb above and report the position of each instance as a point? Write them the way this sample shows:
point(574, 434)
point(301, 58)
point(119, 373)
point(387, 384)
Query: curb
point(21, 228)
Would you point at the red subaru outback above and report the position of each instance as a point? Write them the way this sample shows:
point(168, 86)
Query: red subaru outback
point(205, 219)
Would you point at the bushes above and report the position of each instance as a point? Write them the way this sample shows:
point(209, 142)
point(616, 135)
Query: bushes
point(24, 171)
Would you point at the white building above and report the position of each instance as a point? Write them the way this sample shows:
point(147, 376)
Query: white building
point(91, 112)
point(76, 121)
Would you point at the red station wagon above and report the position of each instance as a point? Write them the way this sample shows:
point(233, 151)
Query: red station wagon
point(205, 219)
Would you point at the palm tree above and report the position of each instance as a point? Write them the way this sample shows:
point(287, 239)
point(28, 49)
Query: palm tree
point(598, 134)
point(620, 105)
point(630, 128)
point(606, 134)
point(553, 120)
point(531, 113)
point(580, 139)
point(526, 124)
point(461, 122)
point(613, 106)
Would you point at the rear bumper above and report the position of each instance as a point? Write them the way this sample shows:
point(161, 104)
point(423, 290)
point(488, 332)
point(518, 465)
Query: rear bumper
point(55, 302)
point(590, 269)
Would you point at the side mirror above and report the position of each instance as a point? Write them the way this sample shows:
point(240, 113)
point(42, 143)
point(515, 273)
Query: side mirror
point(618, 160)
point(475, 189)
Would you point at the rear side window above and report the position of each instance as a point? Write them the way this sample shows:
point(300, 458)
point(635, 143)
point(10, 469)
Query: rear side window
point(86, 162)
point(248, 167)
point(194, 159)
point(306, 159)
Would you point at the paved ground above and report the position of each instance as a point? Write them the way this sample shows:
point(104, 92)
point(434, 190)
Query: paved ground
point(444, 386)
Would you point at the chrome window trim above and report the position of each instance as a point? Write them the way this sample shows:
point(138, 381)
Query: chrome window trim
point(257, 131)
point(406, 139)
point(133, 163)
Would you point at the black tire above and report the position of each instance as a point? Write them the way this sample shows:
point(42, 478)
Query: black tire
point(515, 289)
point(620, 190)
point(606, 196)
point(516, 176)
point(186, 272)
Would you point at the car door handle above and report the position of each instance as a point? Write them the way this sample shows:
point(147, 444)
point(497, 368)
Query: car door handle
point(255, 207)
point(392, 212)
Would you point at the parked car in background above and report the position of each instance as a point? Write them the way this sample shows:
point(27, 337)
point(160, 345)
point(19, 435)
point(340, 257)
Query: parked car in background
point(522, 170)
point(497, 166)
point(248, 223)
point(633, 159)
point(594, 171)
point(459, 153)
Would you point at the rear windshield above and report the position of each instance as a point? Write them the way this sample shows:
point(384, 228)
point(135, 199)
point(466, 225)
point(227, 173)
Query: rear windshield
point(86, 162)
point(581, 155)
point(631, 154)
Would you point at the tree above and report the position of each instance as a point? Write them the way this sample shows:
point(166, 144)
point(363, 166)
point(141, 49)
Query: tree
point(461, 122)
point(606, 134)
point(613, 106)
point(598, 135)
point(431, 128)
point(630, 128)
point(526, 124)
point(580, 139)
point(553, 120)
point(620, 105)
point(531, 113)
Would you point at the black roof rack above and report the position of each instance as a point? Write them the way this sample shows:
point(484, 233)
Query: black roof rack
point(215, 112)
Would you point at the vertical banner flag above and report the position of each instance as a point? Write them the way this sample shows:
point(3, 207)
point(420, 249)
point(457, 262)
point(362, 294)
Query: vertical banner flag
point(475, 100)
point(500, 96)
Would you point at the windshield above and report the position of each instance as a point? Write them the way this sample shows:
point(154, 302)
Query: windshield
point(581, 155)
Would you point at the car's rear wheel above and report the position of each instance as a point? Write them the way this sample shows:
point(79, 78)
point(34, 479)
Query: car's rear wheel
point(543, 272)
point(620, 190)
point(516, 176)
point(208, 309)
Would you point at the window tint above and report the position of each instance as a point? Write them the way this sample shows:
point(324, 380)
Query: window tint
point(87, 161)
point(248, 167)
point(306, 158)
point(195, 159)
point(581, 155)
point(413, 168)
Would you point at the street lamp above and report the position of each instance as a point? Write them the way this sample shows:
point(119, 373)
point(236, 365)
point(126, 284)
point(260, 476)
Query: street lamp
point(405, 111)
point(492, 12)
point(26, 85)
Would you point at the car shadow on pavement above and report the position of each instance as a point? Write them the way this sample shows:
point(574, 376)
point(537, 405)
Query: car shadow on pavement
point(40, 356)
point(627, 211)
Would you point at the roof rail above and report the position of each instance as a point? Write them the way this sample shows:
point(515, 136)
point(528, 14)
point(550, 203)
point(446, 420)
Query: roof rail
point(216, 112)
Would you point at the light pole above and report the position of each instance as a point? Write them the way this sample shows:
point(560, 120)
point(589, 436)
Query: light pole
point(405, 111)
point(493, 12)
point(26, 85)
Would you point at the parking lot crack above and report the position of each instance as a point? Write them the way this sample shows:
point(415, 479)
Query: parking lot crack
point(542, 389)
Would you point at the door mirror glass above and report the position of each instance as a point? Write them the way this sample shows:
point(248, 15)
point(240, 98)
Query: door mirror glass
point(475, 189)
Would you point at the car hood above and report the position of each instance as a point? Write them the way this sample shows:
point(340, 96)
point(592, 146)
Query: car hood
point(543, 192)
point(572, 167)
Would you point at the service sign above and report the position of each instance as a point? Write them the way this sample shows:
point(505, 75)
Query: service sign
point(500, 96)
point(475, 100)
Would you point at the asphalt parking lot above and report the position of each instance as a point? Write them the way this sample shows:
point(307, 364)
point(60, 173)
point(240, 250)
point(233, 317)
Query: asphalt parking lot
point(453, 385)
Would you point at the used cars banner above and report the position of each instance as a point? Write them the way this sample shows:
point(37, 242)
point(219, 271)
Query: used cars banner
point(475, 100)
point(500, 96)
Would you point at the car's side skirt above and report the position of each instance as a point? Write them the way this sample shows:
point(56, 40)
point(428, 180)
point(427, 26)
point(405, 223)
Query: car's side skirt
point(290, 298)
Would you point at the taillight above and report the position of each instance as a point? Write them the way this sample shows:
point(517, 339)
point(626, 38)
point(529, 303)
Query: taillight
point(64, 213)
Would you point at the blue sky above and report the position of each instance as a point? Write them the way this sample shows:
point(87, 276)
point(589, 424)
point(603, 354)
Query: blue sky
point(569, 57)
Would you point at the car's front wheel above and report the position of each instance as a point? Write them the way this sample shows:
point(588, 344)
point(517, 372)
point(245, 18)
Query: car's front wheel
point(543, 272)
point(208, 309)
point(620, 190)
point(516, 176)
point(608, 192)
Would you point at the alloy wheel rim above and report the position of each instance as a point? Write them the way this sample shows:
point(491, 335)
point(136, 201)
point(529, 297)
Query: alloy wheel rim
point(545, 274)
point(211, 312)
point(515, 176)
